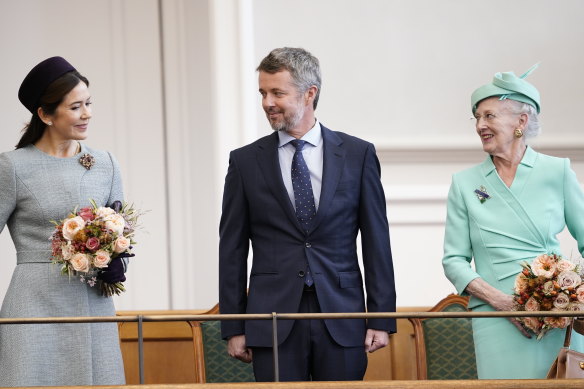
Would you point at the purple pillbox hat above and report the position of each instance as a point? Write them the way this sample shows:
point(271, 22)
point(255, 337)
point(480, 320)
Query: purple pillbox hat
point(38, 80)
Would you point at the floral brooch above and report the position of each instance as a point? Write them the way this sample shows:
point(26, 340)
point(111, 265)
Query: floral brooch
point(482, 194)
point(87, 161)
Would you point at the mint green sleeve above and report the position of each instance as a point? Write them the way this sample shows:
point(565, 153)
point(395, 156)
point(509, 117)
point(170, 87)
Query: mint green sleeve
point(457, 244)
point(574, 206)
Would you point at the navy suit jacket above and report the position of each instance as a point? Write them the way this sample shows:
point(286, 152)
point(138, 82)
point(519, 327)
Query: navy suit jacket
point(257, 209)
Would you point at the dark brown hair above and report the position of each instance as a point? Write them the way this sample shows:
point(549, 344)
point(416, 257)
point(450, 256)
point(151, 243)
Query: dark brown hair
point(49, 102)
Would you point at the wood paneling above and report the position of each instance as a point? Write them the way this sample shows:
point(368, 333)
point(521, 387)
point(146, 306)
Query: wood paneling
point(170, 357)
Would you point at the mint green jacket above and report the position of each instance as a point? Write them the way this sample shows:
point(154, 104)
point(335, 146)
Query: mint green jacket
point(514, 224)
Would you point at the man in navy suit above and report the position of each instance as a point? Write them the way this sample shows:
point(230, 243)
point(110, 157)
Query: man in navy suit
point(302, 207)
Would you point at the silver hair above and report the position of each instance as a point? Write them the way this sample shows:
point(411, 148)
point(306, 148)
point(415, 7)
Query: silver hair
point(533, 126)
point(303, 67)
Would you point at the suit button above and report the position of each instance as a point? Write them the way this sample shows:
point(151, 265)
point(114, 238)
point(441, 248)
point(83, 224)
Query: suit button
point(308, 245)
point(301, 273)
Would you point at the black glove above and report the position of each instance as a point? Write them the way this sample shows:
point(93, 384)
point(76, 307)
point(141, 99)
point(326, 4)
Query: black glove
point(114, 272)
point(116, 206)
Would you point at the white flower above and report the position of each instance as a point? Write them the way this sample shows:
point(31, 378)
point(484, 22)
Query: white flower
point(104, 211)
point(80, 262)
point(101, 259)
point(67, 251)
point(121, 244)
point(115, 223)
point(72, 226)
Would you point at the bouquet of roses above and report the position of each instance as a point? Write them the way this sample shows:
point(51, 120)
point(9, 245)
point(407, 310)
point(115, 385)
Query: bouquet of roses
point(550, 283)
point(88, 239)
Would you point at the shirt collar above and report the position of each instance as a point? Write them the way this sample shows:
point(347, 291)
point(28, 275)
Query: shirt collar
point(314, 136)
point(528, 160)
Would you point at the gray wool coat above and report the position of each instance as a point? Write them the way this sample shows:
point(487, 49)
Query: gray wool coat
point(34, 189)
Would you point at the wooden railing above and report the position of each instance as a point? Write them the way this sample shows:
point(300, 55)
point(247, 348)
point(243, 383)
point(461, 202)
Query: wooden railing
point(274, 317)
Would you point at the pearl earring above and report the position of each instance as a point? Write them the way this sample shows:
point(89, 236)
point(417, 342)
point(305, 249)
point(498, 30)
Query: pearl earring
point(49, 123)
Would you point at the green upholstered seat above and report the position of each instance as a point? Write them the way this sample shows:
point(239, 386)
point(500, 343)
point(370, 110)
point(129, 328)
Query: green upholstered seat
point(449, 345)
point(219, 366)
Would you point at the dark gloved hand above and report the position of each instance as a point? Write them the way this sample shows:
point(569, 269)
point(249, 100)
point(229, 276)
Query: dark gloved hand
point(114, 272)
point(116, 206)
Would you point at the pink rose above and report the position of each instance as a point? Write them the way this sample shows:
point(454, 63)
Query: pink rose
point(532, 305)
point(92, 244)
point(72, 226)
point(121, 244)
point(561, 301)
point(569, 279)
point(80, 262)
point(544, 265)
point(580, 294)
point(564, 265)
point(86, 214)
point(101, 259)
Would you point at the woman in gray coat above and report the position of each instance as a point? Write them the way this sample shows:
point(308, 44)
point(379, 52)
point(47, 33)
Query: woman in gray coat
point(46, 177)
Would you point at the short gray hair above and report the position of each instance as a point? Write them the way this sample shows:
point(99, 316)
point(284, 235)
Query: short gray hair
point(303, 67)
point(533, 126)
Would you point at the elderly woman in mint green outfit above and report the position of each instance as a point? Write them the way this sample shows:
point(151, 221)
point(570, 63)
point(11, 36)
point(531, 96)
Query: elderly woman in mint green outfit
point(501, 212)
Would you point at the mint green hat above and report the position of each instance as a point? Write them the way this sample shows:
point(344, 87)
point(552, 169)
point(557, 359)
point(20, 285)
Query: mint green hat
point(508, 86)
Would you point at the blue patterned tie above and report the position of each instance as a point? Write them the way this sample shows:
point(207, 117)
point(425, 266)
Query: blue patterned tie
point(303, 195)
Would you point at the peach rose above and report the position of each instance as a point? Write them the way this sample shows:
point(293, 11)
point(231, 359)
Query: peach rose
point(532, 323)
point(569, 279)
point(544, 265)
point(115, 223)
point(80, 262)
point(521, 283)
point(556, 322)
point(532, 305)
point(564, 265)
point(561, 301)
point(72, 226)
point(121, 244)
point(101, 259)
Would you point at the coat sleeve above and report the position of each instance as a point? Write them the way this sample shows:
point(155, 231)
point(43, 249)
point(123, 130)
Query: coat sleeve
point(457, 243)
point(7, 189)
point(234, 236)
point(377, 259)
point(574, 206)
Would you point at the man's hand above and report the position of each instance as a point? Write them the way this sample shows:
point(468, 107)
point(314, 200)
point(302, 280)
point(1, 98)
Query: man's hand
point(236, 348)
point(375, 339)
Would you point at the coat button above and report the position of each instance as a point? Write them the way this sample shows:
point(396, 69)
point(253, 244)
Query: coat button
point(308, 245)
point(301, 273)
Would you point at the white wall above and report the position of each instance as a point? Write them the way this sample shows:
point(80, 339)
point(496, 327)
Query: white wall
point(175, 89)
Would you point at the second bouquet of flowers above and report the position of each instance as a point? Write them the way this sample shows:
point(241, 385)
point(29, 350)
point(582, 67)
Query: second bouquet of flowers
point(88, 239)
point(549, 283)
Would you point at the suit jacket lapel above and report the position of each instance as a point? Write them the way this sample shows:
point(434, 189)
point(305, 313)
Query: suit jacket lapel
point(267, 158)
point(333, 163)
